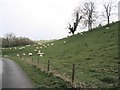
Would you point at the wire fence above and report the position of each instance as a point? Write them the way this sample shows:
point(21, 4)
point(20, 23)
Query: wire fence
point(66, 74)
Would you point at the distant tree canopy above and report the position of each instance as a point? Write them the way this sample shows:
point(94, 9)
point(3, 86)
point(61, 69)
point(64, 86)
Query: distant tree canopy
point(10, 40)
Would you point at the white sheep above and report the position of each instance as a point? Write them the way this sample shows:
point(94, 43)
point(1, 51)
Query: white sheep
point(21, 48)
point(39, 51)
point(37, 47)
point(23, 54)
point(18, 55)
point(35, 50)
point(27, 45)
point(41, 47)
point(107, 28)
point(10, 48)
point(15, 48)
point(47, 44)
point(41, 55)
point(64, 42)
point(30, 54)
point(39, 44)
point(81, 33)
point(52, 44)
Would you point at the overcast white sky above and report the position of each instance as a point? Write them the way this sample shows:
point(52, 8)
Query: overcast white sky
point(38, 19)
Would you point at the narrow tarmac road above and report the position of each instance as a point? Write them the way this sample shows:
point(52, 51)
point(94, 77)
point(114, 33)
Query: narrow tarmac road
point(13, 76)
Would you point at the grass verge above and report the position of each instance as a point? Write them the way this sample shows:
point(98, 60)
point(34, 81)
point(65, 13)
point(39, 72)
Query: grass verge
point(39, 78)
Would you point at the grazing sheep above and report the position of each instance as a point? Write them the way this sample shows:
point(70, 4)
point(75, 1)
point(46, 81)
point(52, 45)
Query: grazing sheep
point(34, 45)
point(52, 44)
point(107, 28)
point(30, 54)
point(18, 55)
point(27, 45)
point(37, 47)
point(39, 43)
point(10, 48)
point(47, 44)
point(23, 54)
point(15, 48)
point(21, 48)
point(35, 50)
point(81, 33)
point(41, 55)
point(39, 52)
point(64, 42)
point(41, 47)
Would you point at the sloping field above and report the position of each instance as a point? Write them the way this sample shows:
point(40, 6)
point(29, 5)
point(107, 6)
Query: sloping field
point(94, 53)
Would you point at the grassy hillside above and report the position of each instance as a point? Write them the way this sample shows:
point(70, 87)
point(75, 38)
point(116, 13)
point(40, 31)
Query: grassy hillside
point(95, 54)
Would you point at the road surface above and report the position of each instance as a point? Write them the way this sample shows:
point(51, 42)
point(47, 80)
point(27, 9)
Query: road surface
point(13, 76)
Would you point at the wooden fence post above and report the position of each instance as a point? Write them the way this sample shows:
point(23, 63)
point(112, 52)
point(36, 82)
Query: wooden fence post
point(73, 73)
point(48, 65)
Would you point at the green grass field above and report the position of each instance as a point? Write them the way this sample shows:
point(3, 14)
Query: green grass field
point(95, 54)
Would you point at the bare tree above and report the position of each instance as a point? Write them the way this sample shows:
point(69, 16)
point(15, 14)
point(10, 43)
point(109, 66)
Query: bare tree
point(89, 14)
point(108, 11)
point(10, 37)
point(75, 24)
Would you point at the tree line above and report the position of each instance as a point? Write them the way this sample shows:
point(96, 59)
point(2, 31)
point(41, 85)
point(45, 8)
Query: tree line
point(86, 15)
point(10, 40)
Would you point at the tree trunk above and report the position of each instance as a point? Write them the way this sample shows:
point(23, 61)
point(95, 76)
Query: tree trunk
point(108, 21)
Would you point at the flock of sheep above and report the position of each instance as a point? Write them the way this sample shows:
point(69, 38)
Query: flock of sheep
point(39, 52)
point(37, 49)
